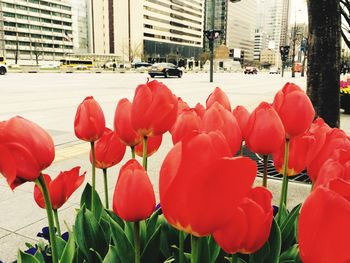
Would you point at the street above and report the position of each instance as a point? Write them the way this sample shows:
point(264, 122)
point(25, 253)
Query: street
point(51, 100)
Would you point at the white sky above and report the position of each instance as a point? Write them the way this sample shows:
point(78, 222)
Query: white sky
point(298, 11)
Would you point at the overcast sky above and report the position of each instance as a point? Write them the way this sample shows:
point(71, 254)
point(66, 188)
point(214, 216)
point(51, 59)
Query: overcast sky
point(298, 10)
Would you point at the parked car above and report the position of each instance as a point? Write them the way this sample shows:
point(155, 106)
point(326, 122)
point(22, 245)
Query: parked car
point(250, 70)
point(165, 69)
point(274, 71)
point(141, 65)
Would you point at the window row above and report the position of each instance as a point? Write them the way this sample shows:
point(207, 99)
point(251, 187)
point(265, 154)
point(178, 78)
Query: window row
point(37, 10)
point(45, 3)
point(173, 39)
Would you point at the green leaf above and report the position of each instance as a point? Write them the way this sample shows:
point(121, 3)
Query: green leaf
point(60, 245)
point(108, 215)
point(203, 250)
point(89, 234)
point(122, 243)
point(214, 250)
point(69, 250)
point(152, 223)
point(26, 258)
point(291, 254)
point(39, 256)
point(270, 252)
point(282, 215)
point(106, 228)
point(129, 232)
point(86, 199)
point(112, 256)
point(151, 250)
point(288, 228)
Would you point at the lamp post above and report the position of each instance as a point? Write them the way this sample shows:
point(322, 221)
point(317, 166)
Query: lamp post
point(294, 40)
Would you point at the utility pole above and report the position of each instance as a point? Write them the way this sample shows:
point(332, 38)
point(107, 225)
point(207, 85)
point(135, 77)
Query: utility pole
point(211, 40)
point(293, 53)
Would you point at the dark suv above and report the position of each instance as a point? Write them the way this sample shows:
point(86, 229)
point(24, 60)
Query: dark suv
point(250, 70)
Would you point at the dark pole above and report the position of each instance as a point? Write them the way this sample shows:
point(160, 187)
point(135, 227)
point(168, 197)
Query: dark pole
point(211, 40)
point(293, 53)
point(129, 30)
point(282, 72)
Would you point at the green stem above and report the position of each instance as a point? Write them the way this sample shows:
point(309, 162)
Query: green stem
point(137, 241)
point(181, 247)
point(41, 182)
point(57, 222)
point(105, 180)
point(284, 191)
point(265, 171)
point(144, 150)
point(194, 249)
point(234, 258)
point(133, 152)
point(93, 176)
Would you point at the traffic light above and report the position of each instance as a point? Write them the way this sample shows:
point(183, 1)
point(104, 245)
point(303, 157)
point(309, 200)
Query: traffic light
point(284, 50)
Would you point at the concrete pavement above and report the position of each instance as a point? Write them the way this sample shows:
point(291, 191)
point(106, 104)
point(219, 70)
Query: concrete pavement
point(51, 100)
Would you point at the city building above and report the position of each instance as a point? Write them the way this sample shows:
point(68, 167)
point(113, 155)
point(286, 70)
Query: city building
point(80, 20)
point(32, 31)
point(241, 22)
point(261, 41)
point(268, 57)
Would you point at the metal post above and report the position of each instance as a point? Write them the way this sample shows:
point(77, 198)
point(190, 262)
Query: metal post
point(211, 40)
point(282, 72)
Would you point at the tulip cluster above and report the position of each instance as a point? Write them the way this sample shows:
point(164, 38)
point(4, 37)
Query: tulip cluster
point(205, 182)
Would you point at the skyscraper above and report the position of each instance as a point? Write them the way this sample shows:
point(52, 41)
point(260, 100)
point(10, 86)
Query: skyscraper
point(80, 26)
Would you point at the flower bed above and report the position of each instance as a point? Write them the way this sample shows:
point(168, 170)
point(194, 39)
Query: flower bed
point(209, 210)
point(345, 95)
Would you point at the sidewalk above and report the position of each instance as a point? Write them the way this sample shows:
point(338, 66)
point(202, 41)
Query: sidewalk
point(23, 219)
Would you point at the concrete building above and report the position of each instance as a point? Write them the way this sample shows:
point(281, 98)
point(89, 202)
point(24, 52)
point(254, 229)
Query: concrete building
point(33, 31)
point(261, 42)
point(241, 22)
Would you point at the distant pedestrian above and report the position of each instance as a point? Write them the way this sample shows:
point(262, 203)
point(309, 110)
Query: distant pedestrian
point(114, 66)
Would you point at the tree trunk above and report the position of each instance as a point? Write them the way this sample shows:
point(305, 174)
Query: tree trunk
point(324, 58)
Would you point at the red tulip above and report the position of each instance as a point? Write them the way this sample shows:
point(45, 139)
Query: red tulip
point(218, 118)
point(109, 150)
point(294, 108)
point(318, 130)
point(298, 150)
point(199, 184)
point(200, 110)
point(186, 122)
point(25, 150)
point(182, 105)
point(335, 139)
point(133, 198)
point(122, 123)
point(338, 166)
point(218, 96)
point(242, 116)
point(264, 131)
point(154, 109)
point(89, 122)
point(323, 228)
point(250, 224)
point(61, 188)
point(153, 144)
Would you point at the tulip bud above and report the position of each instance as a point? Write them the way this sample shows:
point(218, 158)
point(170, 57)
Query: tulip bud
point(133, 198)
point(218, 95)
point(89, 122)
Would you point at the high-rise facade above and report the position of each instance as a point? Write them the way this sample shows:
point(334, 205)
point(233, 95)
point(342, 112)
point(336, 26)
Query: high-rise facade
point(36, 30)
point(220, 20)
point(80, 20)
point(241, 22)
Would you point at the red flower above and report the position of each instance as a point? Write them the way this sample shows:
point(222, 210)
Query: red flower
point(250, 224)
point(109, 150)
point(242, 116)
point(264, 131)
point(154, 109)
point(61, 188)
point(25, 150)
point(335, 139)
point(89, 122)
point(200, 110)
point(218, 96)
point(153, 144)
point(338, 166)
point(199, 184)
point(122, 123)
point(323, 228)
point(218, 118)
point(182, 105)
point(298, 151)
point(133, 198)
point(186, 122)
point(294, 108)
